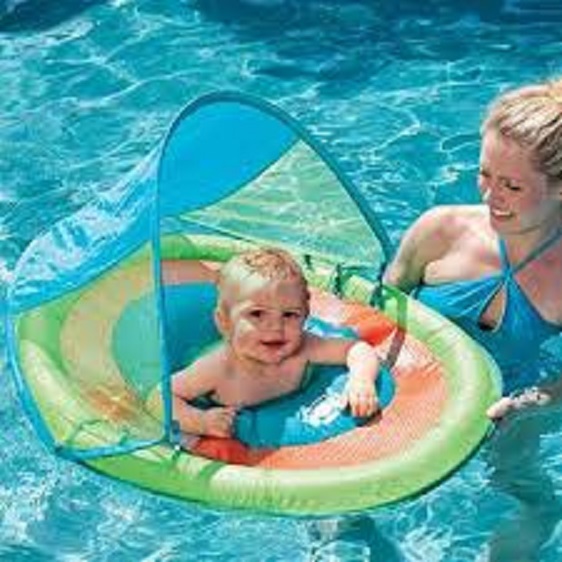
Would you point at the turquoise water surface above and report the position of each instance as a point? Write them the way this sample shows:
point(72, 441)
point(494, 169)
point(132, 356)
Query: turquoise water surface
point(396, 92)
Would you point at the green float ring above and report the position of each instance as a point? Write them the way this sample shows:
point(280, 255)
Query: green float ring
point(471, 377)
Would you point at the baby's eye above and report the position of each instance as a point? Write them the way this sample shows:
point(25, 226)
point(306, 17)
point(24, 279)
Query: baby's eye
point(483, 173)
point(257, 314)
point(292, 315)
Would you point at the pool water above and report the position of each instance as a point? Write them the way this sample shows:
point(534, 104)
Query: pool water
point(396, 92)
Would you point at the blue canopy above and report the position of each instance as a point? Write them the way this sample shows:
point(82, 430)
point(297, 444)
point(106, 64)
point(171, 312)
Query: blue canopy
point(230, 165)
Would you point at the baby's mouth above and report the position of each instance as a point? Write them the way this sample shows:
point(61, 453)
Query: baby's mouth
point(273, 344)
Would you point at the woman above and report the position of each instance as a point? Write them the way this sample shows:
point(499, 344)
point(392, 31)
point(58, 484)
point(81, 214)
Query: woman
point(496, 269)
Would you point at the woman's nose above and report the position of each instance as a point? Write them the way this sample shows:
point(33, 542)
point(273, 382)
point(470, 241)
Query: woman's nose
point(489, 187)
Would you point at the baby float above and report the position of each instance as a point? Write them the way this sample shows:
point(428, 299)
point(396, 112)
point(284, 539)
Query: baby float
point(112, 300)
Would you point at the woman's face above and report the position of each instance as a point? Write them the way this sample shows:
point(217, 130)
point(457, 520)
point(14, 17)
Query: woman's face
point(518, 196)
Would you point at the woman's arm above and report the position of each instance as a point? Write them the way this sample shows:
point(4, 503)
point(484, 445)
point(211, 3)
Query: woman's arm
point(425, 241)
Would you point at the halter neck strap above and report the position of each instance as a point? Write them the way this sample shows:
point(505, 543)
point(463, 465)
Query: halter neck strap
point(533, 254)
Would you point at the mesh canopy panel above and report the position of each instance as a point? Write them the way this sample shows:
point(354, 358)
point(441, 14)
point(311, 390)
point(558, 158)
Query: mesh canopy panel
point(300, 190)
point(79, 393)
point(247, 170)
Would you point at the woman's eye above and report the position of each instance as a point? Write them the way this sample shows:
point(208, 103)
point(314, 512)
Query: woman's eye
point(502, 182)
point(256, 314)
point(512, 186)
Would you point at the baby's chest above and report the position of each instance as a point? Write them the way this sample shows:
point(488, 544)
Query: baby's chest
point(249, 390)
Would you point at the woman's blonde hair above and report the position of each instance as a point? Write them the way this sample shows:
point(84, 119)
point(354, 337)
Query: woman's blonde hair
point(531, 116)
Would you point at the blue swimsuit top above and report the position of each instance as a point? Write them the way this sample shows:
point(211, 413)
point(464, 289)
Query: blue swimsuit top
point(515, 341)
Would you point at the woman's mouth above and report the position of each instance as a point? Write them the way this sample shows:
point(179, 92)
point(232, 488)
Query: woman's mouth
point(501, 214)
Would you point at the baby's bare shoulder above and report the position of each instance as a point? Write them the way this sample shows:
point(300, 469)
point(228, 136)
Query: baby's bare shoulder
point(211, 366)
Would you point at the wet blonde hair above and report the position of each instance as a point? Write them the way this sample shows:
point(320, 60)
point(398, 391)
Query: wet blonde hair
point(531, 116)
point(271, 264)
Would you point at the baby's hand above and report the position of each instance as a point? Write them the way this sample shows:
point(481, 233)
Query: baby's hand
point(361, 397)
point(218, 422)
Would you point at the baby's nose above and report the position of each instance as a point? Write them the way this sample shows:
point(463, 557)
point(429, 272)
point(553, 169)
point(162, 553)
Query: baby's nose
point(275, 324)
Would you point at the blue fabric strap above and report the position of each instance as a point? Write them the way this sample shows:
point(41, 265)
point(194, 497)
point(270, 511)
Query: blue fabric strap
point(508, 269)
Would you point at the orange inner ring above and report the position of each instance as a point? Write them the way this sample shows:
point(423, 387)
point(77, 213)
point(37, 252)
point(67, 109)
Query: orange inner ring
point(420, 397)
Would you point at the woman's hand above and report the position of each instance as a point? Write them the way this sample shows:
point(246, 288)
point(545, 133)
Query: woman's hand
point(529, 397)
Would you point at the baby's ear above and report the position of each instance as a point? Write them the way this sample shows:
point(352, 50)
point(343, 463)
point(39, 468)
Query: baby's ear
point(308, 296)
point(222, 321)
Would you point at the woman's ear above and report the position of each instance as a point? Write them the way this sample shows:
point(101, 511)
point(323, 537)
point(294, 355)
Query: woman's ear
point(557, 189)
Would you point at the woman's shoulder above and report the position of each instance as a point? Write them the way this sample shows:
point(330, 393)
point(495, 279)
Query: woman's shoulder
point(450, 221)
point(436, 234)
point(458, 214)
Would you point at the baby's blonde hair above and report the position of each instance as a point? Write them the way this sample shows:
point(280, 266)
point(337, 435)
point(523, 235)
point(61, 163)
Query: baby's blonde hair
point(531, 116)
point(271, 264)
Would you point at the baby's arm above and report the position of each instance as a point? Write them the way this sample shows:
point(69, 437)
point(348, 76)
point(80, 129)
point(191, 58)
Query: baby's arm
point(360, 392)
point(363, 364)
point(198, 380)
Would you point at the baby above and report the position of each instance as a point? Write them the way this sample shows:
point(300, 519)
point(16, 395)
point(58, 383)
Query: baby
point(262, 305)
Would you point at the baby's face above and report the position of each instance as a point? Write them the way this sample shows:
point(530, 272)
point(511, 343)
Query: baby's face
point(264, 319)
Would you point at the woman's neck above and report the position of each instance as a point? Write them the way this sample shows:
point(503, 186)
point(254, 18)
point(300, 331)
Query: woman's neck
point(522, 244)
